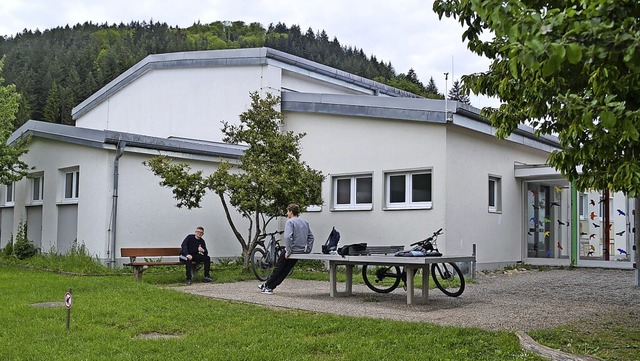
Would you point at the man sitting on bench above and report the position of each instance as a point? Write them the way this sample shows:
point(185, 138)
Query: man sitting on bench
point(194, 249)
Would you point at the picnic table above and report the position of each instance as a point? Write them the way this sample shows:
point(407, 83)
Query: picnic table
point(410, 264)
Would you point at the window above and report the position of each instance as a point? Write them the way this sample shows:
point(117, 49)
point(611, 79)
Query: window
point(408, 190)
point(495, 194)
point(9, 194)
point(37, 189)
point(71, 185)
point(353, 192)
point(584, 204)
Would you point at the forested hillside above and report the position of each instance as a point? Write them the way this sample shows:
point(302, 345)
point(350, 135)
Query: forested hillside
point(56, 69)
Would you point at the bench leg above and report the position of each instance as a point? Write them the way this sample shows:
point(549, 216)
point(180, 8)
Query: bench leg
point(333, 280)
point(137, 272)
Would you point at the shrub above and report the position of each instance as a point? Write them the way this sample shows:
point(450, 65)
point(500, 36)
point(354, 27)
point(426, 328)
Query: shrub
point(23, 247)
point(7, 251)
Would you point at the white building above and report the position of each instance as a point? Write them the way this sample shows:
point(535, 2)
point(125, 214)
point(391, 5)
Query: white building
point(398, 166)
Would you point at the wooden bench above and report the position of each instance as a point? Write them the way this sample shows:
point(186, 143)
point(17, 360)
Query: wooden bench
point(140, 266)
point(410, 264)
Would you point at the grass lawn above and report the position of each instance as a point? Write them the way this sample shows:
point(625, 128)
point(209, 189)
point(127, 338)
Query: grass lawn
point(111, 313)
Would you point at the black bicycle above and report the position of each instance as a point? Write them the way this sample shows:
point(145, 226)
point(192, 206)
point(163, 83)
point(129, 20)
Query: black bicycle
point(447, 276)
point(265, 256)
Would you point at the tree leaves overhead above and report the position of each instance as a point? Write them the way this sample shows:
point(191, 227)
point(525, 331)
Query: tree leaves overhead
point(56, 69)
point(570, 68)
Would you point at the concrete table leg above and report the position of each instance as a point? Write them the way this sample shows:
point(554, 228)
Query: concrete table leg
point(411, 297)
point(410, 287)
point(333, 280)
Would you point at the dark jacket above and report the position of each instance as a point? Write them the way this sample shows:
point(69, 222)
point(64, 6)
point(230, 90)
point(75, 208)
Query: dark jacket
point(190, 245)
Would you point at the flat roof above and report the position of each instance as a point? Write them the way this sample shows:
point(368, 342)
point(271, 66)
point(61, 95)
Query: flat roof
point(100, 138)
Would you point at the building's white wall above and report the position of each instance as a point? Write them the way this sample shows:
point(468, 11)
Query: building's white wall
point(189, 103)
point(148, 215)
point(347, 145)
point(49, 157)
point(471, 158)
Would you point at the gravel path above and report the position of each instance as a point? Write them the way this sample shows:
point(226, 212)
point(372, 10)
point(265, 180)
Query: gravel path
point(513, 300)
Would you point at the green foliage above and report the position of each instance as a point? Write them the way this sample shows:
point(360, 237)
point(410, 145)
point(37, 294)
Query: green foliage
point(57, 68)
point(76, 260)
point(7, 251)
point(12, 168)
point(23, 247)
point(272, 173)
point(568, 68)
point(457, 93)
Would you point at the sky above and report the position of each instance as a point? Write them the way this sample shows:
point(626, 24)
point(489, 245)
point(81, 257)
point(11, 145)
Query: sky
point(406, 33)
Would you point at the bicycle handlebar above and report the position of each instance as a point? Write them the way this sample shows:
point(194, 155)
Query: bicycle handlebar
point(264, 235)
point(435, 235)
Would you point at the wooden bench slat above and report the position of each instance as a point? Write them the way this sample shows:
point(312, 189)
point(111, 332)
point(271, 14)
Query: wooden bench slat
point(150, 252)
point(154, 264)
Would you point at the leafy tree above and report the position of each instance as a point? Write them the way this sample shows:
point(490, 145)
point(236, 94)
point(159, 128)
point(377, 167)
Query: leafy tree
point(272, 174)
point(570, 68)
point(12, 168)
point(456, 93)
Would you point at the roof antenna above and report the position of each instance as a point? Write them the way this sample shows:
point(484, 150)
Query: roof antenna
point(446, 116)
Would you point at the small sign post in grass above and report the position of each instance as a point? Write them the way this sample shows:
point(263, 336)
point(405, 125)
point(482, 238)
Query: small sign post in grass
point(67, 303)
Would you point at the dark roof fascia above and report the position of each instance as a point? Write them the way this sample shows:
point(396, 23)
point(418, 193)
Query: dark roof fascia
point(228, 57)
point(99, 138)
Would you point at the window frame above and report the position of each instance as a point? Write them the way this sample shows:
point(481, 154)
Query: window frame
point(353, 204)
point(408, 185)
point(494, 203)
point(9, 192)
point(39, 179)
point(583, 205)
point(75, 185)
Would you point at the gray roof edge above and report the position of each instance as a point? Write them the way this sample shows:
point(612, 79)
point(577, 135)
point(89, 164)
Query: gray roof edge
point(426, 110)
point(338, 74)
point(97, 138)
point(523, 130)
point(187, 59)
point(208, 58)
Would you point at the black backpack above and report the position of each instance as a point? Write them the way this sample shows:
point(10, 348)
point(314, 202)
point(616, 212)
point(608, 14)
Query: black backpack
point(332, 242)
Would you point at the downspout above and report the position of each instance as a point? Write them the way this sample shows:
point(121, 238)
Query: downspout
point(114, 204)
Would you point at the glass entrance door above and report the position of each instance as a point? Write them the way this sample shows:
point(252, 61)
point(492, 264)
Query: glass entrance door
point(548, 226)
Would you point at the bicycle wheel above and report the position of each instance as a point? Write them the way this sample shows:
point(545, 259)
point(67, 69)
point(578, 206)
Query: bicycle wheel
point(448, 278)
point(260, 264)
point(381, 279)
